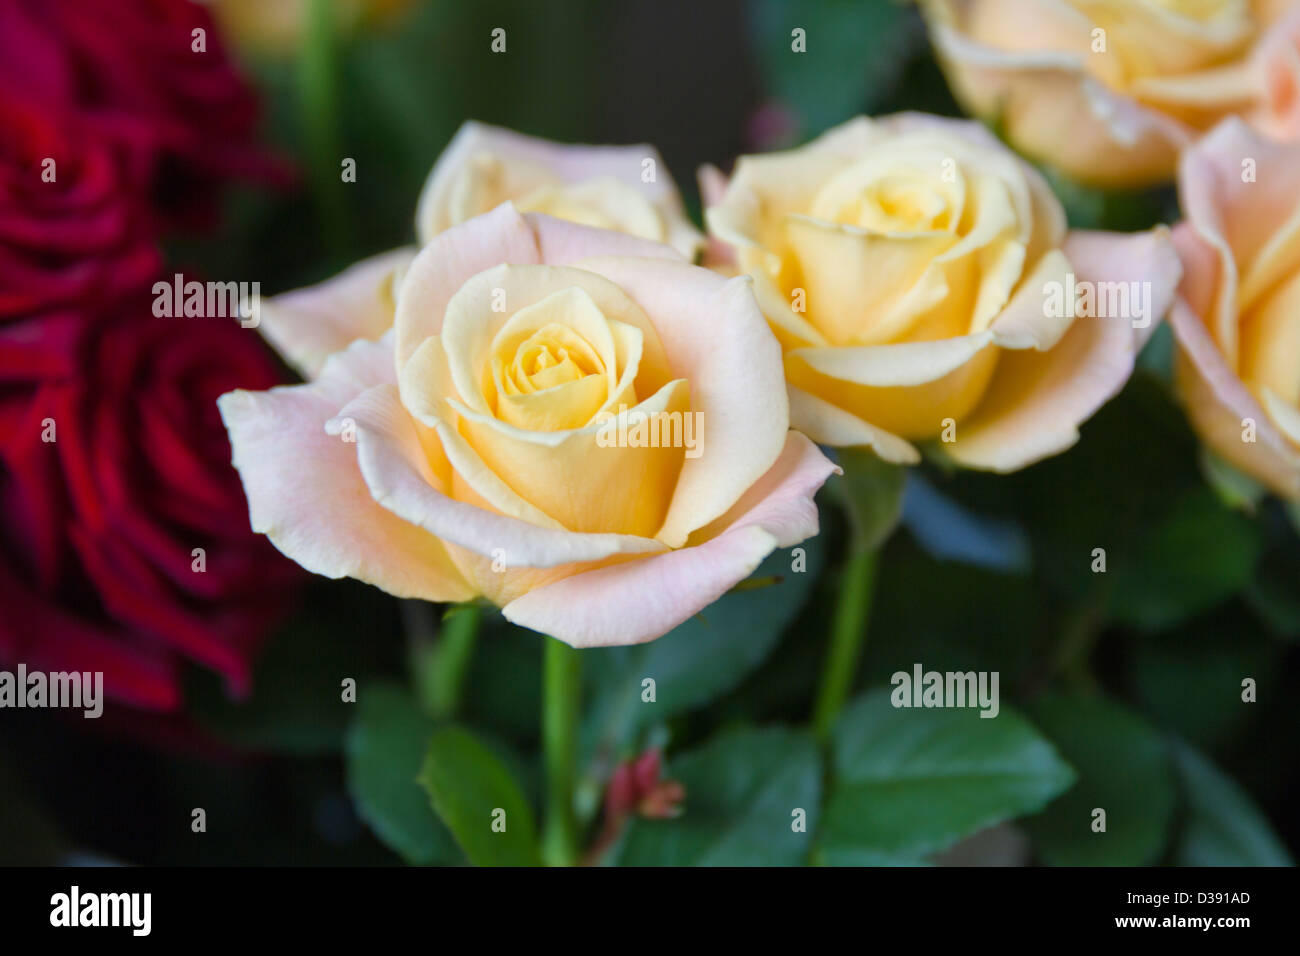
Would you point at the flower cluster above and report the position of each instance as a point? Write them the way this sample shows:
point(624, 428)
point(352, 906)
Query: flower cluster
point(889, 284)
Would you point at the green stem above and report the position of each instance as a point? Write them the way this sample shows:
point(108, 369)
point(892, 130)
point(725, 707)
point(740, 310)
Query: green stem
point(1080, 632)
point(318, 93)
point(454, 651)
point(440, 654)
point(561, 691)
point(848, 631)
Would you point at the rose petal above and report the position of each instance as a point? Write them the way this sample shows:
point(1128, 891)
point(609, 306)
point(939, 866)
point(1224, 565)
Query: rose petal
point(305, 489)
point(485, 304)
point(586, 479)
point(718, 255)
point(1200, 268)
point(562, 242)
point(637, 601)
point(904, 363)
point(831, 425)
point(394, 458)
point(1219, 405)
point(912, 411)
point(447, 262)
point(1038, 399)
point(569, 163)
point(308, 325)
point(867, 287)
point(1254, 219)
point(716, 338)
point(1054, 111)
point(1278, 62)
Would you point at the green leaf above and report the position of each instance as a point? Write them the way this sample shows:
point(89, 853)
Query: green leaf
point(469, 786)
point(1222, 827)
point(701, 658)
point(743, 789)
point(855, 53)
point(1197, 554)
point(1124, 769)
point(1235, 488)
point(909, 782)
point(384, 748)
point(871, 491)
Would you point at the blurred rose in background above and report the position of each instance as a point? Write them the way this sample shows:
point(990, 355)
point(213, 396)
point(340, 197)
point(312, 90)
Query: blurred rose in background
point(124, 544)
point(135, 75)
point(1110, 91)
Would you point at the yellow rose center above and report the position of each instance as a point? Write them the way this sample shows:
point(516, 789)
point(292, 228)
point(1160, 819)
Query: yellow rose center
point(906, 198)
point(552, 356)
point(897, 204)
point(531, 365)
point(556, 364)
point(920, 237)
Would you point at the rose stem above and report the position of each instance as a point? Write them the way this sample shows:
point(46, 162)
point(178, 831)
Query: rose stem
point(561, 691)
point(317, 76)
point(848, 630)
point(453, 653)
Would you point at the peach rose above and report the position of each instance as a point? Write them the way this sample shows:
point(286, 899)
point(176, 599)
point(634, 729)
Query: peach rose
point(923, 285)
point(624, 188)
point(1237, 318)
point(1110, 91)
point(488, 445)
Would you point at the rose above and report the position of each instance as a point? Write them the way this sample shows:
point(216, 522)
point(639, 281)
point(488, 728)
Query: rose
point(463, 453)
point(1111, 91)
point(128, 72)
point(481, 167)
point(110, 477)
point(1237, 318)
point(923, 285)
point(70, 228)
point(624, 188)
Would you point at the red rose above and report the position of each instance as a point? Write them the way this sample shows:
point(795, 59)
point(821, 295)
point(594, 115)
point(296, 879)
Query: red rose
point(70, 228)
point(183, 118)
point(124, 541)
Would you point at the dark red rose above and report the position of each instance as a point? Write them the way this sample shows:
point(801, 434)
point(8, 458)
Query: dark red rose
point(71, 226)
point(183, 119)
point(105, 526)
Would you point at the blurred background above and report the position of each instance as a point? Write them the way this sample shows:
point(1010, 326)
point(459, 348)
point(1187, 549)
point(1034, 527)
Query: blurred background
point(986, 573)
